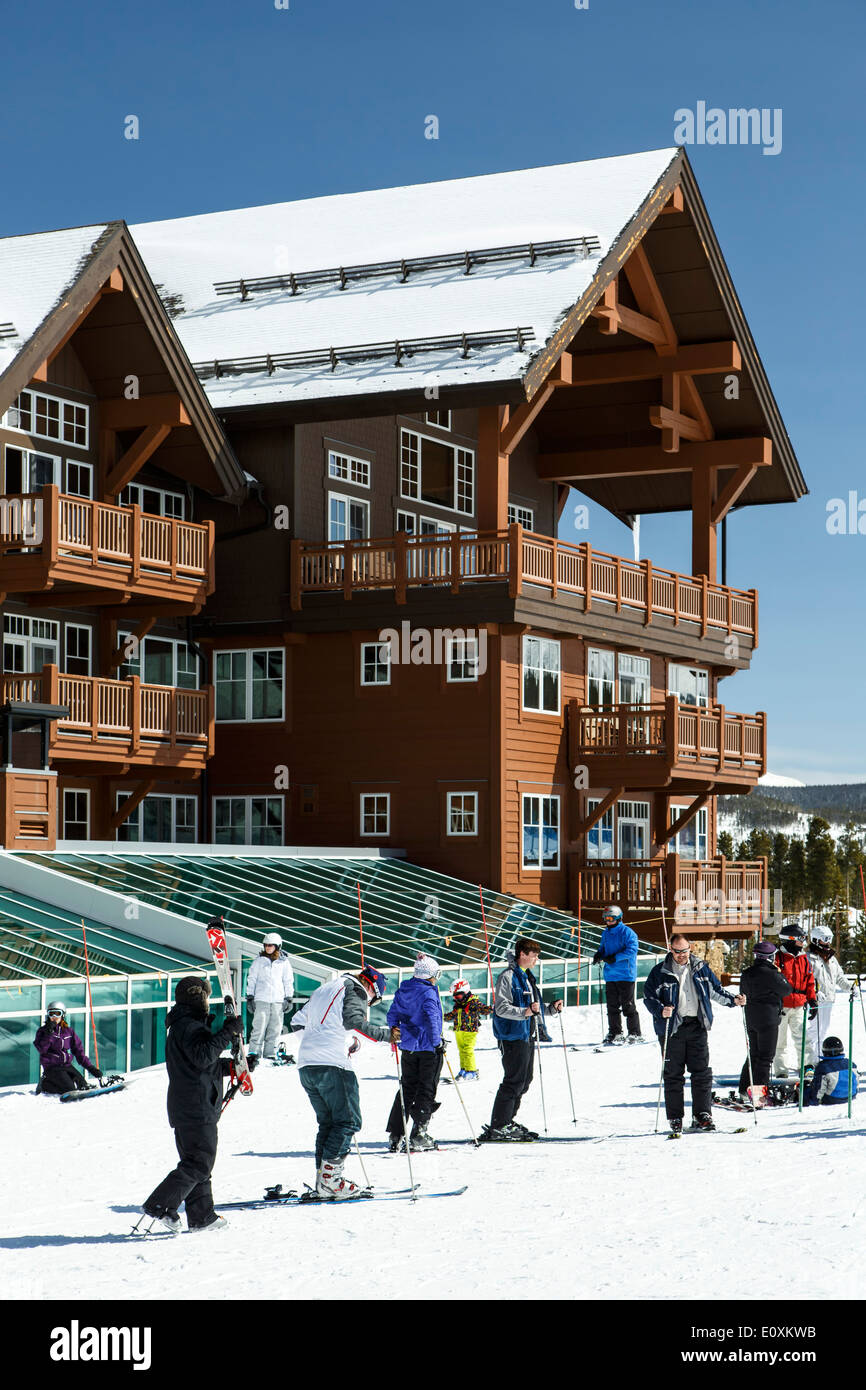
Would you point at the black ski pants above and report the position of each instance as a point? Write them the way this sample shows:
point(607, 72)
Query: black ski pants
point(518, 1059)
point(762, 1047)
point(688, 1047)
point(56, 1081)
point(189, 1182)
point(619, 995)
point(419, 1075)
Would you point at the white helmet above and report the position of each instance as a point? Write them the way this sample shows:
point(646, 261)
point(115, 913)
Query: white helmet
point(56, 1006)
point(614, 912)
point(822, 935)
point(272, 939)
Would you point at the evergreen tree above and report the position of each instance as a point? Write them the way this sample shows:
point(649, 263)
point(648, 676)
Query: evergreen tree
point(794, 880)
point(776, 867)
point(725, 843)
point(853, 952)
point(850, 857)
point(823, 879)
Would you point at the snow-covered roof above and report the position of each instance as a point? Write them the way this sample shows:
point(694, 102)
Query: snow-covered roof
point(187, 256)
point(35, 274)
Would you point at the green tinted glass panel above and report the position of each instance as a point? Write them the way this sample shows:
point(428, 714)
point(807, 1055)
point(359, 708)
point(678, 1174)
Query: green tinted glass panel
point(111, 1040)
point(19, 1060)
point(147, 1037)
point(16, 999)
point(108, 992)
point(149, 991)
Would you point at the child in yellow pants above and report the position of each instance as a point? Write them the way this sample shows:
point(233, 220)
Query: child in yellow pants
point(466, 1017)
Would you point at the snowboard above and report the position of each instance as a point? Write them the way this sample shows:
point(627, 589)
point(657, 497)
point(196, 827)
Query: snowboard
point(94, 1091)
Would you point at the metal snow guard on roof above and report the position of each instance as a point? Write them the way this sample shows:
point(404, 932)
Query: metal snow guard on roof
point(312, 901)
point(38, 941)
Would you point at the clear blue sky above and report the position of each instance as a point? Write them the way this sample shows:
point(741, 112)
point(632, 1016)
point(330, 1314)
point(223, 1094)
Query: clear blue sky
point(242, 103)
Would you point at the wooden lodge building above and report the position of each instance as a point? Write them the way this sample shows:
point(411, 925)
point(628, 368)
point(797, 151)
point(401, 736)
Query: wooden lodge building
point(244, 485)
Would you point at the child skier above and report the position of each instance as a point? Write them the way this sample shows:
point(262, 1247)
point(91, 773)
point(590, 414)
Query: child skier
point(466, 1017)
point(829, 1085)
point(829, 977)
point(57, 1044)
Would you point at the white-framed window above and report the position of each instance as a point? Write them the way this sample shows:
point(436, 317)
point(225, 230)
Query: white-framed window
point(375, 663)
point(28, 470)
point(540, 821)
point(690, 684)
point(160, 820)
point(692, 842)
point(440, 474)
point(348, 469)
point(48, 417)
point(634, 679)
point(348, 518)
point(616, 678)
point(633, 829)
point(156, 501)
point(247, 820)
point(78, 641)
point(76, 814)
point(442, 418)
point(375, 813)
point(462, 813)
point(542, 664)
point(600, 676)
point(250, 685)
point(79, 479)
point(599, 840)
point(408, 522)
point(161, 661)
point(29, 643)
point(523, 516)
point(462, 659)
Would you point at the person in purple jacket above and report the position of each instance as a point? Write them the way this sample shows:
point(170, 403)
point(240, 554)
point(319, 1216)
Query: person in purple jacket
point(417, 1012)
point(57, 1045)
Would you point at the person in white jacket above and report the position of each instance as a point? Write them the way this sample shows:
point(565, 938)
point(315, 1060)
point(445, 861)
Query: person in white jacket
point(270, 988)
point(829, 978)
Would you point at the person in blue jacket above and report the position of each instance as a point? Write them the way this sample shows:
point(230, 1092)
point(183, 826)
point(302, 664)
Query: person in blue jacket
point(829, 1085)
point(518, 1026)
point(417, 1012)
point(618, 949)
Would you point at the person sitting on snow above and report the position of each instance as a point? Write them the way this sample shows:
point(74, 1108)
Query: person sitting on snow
point(57, 1044)
point(829, 1085)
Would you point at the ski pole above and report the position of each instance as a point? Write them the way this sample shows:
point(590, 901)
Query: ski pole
point(751, 1077)
point(862, 1009)
point(460, 1098)
point(600, 1003)
point(850, 1048)
point(803, 1055)
point(662, 1073)
point(405, 1125)
point(540, 1076)
point(567, 1070)
point(367, 1182)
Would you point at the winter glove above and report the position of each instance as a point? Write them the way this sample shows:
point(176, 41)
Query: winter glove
point(94, 1071)
point(251, 1004)
point(287, 1004)
point(233, 1025)
point(813, 1011)
point(597, 957)
point(252, 1061)
point(354, 1046)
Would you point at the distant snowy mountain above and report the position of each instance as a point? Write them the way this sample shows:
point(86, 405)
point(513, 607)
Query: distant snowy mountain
point(772, 779)
point(785, 805)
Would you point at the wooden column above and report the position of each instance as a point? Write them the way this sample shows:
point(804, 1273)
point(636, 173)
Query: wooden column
point(492, 472)
point(703, 528)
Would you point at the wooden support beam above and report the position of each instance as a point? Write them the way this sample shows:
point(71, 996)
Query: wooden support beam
point(139, 631)
point(704, 537)
point(642, 364)
point(583, 827)
point(644, 287)
point(688, 814)
point(676, 426)
point(737, 485)
point(520, 419)
point(51, 597)
point(136, 457)
point(648, 458)
point(613, 316)
point(674, 203)
point(492, 468)
point(113, 285)
point(126, 808)
point(691, 399)
point(121, 414)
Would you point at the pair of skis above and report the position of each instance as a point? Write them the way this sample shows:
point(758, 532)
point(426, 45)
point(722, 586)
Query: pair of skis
point(276, 1197)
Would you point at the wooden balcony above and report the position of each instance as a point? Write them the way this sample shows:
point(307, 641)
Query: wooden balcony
point(124, 721)
point(716, 895)
point(667, 744)
point(51, 541)
point(524, 562)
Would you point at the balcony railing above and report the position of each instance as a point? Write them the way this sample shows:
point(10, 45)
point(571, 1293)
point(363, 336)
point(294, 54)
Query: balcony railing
point(75, 538)
point(705, 892)
point(108, 718)
point(520, 558)
point(687, 737)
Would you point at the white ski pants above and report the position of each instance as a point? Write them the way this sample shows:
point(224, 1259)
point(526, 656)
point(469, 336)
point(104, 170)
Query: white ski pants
point(266, 1029)
point(790, 1039)
point(817, 1029)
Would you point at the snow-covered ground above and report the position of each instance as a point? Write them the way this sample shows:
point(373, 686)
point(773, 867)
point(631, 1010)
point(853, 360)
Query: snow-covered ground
point(624, 1214)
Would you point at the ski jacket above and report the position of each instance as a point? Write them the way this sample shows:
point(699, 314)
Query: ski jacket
point(829, 1085)
point(621, 943)
point(765, 988)
point(195, 1068)
point(829, 977)
point(330, 1016)
point(662, 988)
point(516, 990)
point(417, 1011)
point(58, 1046)
point(801, 982)
point(467, 1017)
point(271, 981)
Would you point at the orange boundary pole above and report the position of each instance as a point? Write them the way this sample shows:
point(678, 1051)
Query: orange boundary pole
point(360, 922)
point(90, 995)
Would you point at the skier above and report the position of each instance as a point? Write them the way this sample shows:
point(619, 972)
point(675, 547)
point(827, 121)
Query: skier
point(270, 987)
point(466, 1017)
point(829, 1085)
point(195, 1093)
point(57, 1044)
point(797, 970)
point(417, 1011)
point(678, 994)
point(764, 987)
point(618, 949)
point(517, 1014)
point(329, 1018)
point(829, 977)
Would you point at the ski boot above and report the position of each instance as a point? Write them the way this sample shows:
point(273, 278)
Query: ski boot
point(523, 1131)
point(634, 1038)
point(757, 1097)
point(331, 1186)
point(216, 1223)
point(613, 1040)
point(470, 1076)
point(675, 1128)
point(461, 1075)
point(508, 1134)
point(420, 1140)
point(394, 1143)
point(169, 1219)
point(703, 1120)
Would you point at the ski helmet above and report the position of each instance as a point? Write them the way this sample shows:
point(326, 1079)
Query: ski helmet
point(793, 935)
point(822, 936)
point(272, 939)
point(375, 979)
point(56, 1007)
point(461, 987)
point(614, 912)
point(833, 1047)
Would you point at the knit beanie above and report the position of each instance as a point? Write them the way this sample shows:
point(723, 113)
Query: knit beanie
point(426, 968)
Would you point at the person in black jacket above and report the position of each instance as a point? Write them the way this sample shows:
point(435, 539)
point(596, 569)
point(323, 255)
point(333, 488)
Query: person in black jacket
point(195, 1095)
point(765, 987)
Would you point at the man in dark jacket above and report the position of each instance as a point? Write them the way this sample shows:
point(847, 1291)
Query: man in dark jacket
point(195, 1094)
point(764, 987)
point(618, 949)
point(517, 1022)
point(677, 993)
point(417, 1011)
point(57, 1044)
